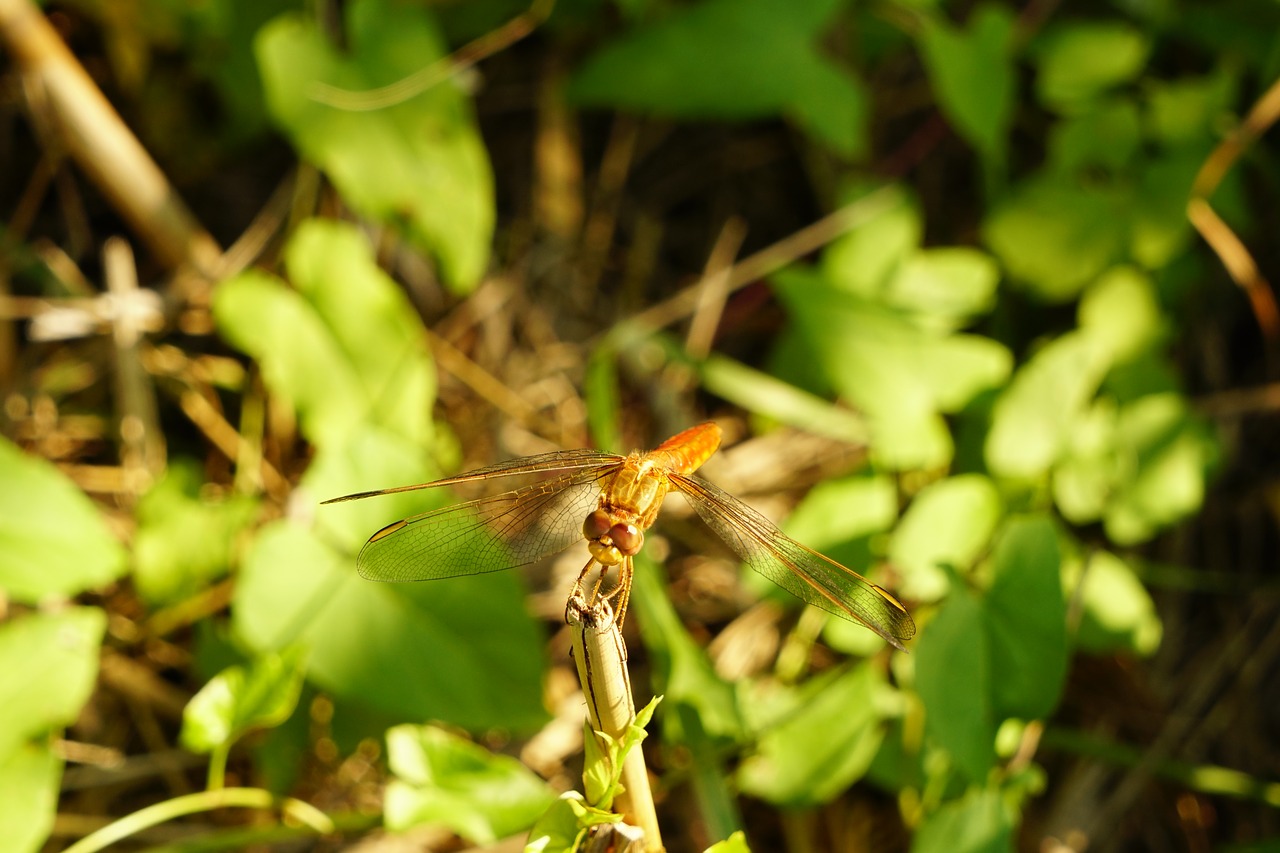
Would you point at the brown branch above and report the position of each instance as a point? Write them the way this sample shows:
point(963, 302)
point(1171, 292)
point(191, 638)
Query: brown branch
point(1224, 242)
point(100, 142)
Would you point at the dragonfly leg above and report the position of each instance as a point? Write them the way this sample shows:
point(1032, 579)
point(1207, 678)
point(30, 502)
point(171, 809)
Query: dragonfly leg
point(576, 590)
point(623, 590)
point(620, 594)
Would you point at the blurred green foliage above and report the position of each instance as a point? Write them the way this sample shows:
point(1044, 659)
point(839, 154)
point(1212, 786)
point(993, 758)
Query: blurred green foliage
point(997, 430)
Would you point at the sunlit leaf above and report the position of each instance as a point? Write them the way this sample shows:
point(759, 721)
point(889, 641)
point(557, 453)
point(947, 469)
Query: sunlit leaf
point(29, 777)
point(863, 261)
point(1117, 611)
point(1121, 313)
point(344, 347)
point(1034, 417)
point(948, 524)
point(1026, 620)
point(463, 650)
point(945, 288)
point(1169, 454)
point(240, 699)
point(1056, 235)
point(374, 324)
point(736, 843)
point(837, 511)
point(460, 650)
point(953, 678)
point(1084, 477)
point(300, 360)
point(825, 745)
point(442, 779)
point(564, 825)
point(982, 821)
point(972, 73)
point(732, 59)
point(763, 394)
point(50, 664)
point(53, 540)
point(1079, 61)
point(900, 374)
point(420, 163)
point(183, 541)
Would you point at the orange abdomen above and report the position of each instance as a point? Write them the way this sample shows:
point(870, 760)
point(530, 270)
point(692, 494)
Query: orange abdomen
point(685, 452)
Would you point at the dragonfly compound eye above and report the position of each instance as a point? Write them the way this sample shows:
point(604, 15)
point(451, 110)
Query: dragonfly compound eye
point(627, 538)
point(596, 525)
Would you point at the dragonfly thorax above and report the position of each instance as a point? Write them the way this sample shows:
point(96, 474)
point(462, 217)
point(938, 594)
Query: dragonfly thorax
point(608, 540)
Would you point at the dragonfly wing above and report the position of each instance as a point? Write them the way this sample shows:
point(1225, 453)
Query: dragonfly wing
point(559, 460)
point(485, 535)
point(796, 568)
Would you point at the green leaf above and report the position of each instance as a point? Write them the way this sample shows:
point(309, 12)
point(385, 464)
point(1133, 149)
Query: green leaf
point(1117, 611)
point(1186, 111)
point(564, 825)
point(301, 363)
point(825, 745)
point(972, 73)
point(1079, 61)
point(29, 778)
point(901, 375)
point(1160, 228)
point(945, 288)
point(762, 394)
point(863, 261)
point(953, 678)
point(1057, 235)
point(736, 843)
point(837, 511)
point(344, 347)
point(240, 699)
point(419, 164)
point(38, 506)
point(948, 524)
point(704, 62)
point(461, 650)
point(1026, 616)
point(605, 756)
point(442, 779)
point(980, 822)
point(1084, 478)
point(1106, 136)
point(1033, 418)
point(1168, 455)
point(372, 321)
point(1120, 312)
point(184, 541)
point(50, 664)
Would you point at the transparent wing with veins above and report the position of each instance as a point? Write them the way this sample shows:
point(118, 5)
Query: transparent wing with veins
point(494, 533)
point(796, 568)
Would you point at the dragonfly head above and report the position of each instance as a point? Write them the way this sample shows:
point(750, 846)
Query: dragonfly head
point(610, 542)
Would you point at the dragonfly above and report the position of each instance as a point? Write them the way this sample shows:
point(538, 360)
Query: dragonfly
point(610, 500)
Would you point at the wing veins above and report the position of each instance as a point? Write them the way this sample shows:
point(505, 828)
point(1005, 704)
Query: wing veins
point(771, 546)
point(559, 460)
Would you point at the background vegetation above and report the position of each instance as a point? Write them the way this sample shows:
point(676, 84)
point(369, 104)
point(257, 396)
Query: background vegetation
point(978, 284)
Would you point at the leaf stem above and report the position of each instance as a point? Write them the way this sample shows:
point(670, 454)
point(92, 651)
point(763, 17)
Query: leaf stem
point(250, 798)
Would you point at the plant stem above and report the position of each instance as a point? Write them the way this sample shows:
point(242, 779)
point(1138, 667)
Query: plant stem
point(601, 657)
point(251, 798)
